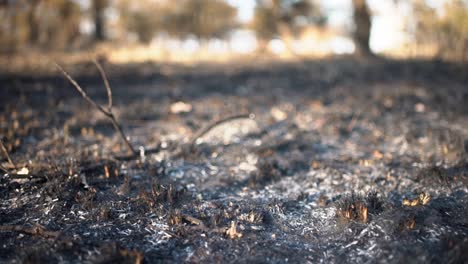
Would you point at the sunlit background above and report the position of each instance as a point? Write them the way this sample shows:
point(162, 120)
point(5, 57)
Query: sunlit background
point(194, 30)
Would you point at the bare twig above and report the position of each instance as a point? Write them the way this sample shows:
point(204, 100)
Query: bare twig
point(193, 220)
point(201, 132)
point(106, 84)
point(107, 112)
point(81, 91)
point(122, 135)
point(5, 151)
point(3, 169)
point(36, 230)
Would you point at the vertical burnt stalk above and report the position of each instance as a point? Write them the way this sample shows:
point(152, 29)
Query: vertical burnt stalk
point(106, 111)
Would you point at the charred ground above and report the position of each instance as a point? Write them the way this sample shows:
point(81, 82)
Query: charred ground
point(345, 161)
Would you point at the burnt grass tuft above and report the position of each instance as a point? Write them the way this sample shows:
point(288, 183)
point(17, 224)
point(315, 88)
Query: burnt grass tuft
point(355, 207)
point(345, 161)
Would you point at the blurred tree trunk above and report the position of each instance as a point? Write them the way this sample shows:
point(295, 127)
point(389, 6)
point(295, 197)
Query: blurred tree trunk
point(362, 21)
point(33, 24)
point(99, 7)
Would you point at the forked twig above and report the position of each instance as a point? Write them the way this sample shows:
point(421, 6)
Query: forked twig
point(107, 112)
point(106, 84)
point(5, 151)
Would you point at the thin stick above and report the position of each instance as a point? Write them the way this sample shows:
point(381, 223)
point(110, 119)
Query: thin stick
point(107, 112)
point(3, 169)
point(193, 220)
point(34, 231)
point(106, 84)
point(200, 133)
point(5, 151)
point(122, 135)
point(81, 91)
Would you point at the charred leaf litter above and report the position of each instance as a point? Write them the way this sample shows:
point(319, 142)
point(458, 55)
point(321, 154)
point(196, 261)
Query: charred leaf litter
point(338, 161)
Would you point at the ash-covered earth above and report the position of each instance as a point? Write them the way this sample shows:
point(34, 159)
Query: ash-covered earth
point(338, 160)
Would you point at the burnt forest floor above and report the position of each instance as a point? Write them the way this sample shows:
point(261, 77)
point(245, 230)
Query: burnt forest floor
point(336, 160)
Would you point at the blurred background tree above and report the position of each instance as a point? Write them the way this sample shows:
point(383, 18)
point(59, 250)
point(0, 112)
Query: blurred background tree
point(33, 23)
point(142, 18)
point(203, 19)
point(99, 7)
point(75, 24)
point(446, 29)
point(61, 23)
point(362, 27)
point(51, 24)
point(284, 19)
